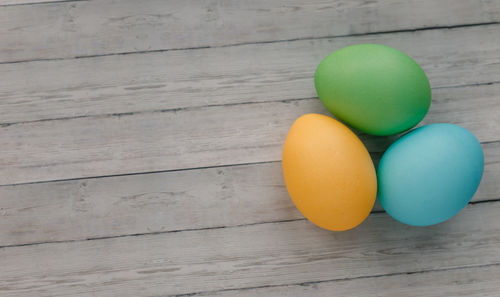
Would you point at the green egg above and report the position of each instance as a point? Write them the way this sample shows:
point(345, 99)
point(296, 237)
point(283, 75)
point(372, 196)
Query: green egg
point(373, 88)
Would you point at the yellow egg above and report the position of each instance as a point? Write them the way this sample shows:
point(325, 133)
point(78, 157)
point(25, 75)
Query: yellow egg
point(328, 172)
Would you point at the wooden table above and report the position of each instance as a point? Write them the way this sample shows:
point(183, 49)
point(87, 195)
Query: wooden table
point(141, 145)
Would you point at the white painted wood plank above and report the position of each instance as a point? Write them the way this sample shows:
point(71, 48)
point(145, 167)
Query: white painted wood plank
point(476, 281)
point(250, 73)
point(251, 256)
point(162, 202)
point(198, 137)
point(64, 30)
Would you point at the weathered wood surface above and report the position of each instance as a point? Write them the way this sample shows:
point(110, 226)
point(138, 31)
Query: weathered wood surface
point(249, 256)
point(197, 97)
point(164, 202)
point(198, 137)
point(474, 281)
point(28, 2)
point(250, 73)
point(103, 27)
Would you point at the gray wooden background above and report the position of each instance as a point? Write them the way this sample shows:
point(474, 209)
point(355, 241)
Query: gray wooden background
point(141, 145)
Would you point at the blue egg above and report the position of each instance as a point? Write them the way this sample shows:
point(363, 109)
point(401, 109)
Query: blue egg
point(430, 174)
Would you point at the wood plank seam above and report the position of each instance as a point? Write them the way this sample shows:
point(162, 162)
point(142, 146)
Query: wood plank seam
point(269, 150)
point(161, 232)
point(41, 3)
point(163, 201)
point(335, 280)
point(174, 110)
point(73, 95)
point(95, 25)
point(225, 263)
point(141, 173)
point(164, 171)
point(193, 229)
point(257, 42)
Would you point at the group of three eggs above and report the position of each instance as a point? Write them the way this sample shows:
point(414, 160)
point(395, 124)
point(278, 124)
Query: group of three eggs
point(425, 177)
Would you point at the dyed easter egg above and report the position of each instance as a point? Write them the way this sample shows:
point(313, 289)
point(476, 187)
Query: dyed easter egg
point(373, 88)
point(430, 174)
point(328, 172)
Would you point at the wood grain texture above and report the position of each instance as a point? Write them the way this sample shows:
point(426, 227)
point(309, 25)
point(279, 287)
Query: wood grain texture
point(197, 97)
point(199, 137)
point(251, 256)
point(164, 202)
point(28, 2)
point(72, 29)
point(216, 76)
point(475, 281)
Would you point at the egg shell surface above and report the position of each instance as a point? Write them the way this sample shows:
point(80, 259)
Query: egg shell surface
point(430, 174)
point(328, 172)
point(373, 88)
